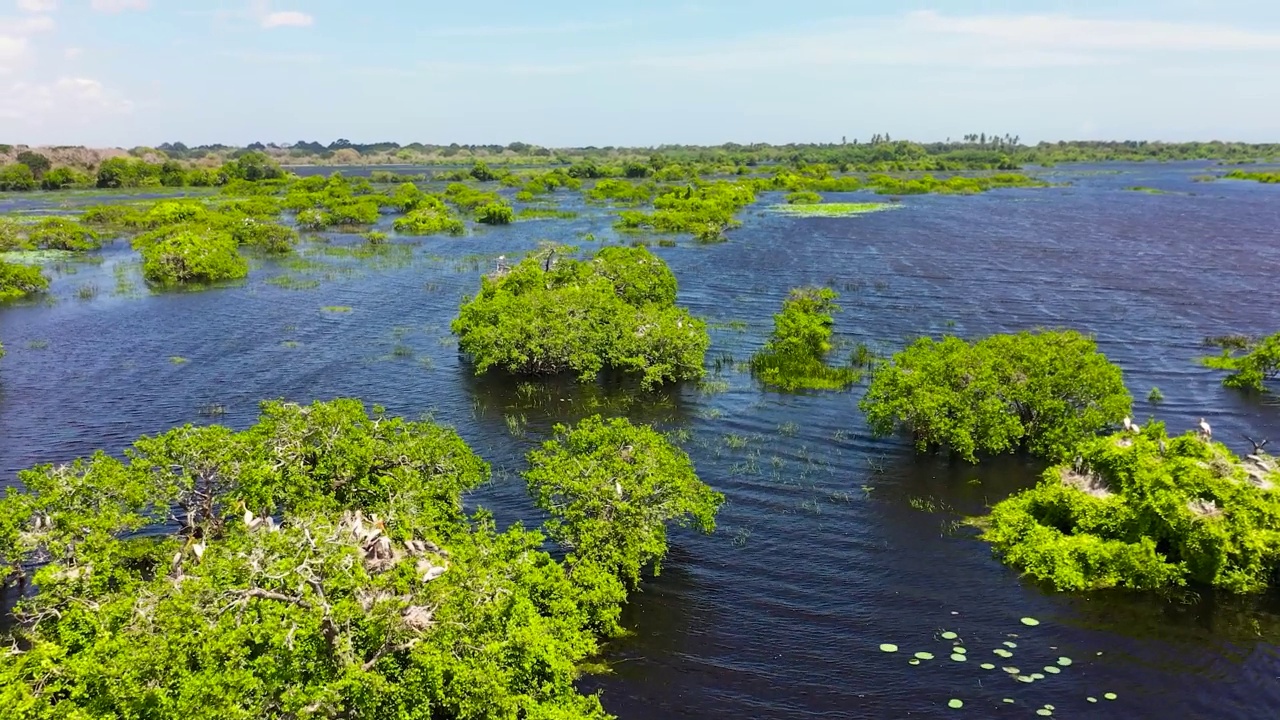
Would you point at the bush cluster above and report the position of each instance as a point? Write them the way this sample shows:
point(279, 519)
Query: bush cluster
point(551, 314)
point(796, 355)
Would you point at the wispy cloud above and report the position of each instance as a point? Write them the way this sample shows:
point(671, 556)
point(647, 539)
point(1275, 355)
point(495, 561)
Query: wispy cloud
point(255, 57)
point(286, 18)
point(37, 6)
point(116, 6)
point(82, 98)
point(72, 53)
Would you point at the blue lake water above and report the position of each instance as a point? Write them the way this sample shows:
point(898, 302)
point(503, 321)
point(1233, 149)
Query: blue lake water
point(831, 542)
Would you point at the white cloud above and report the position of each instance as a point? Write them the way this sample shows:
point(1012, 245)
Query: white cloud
point(72, 53)
point(115, 6)
point(67, 99)
point(286, 18)
point(25, 25)
point(38, 6)
point(497, 31)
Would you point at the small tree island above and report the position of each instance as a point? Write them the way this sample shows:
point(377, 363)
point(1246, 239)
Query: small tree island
point(552, 314)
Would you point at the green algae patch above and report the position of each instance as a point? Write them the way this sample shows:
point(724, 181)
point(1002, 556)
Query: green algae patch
point(832, 209)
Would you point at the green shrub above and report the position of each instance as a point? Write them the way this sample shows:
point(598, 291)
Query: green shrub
point(1146, 511)
point(706, 211)
point(62, 234)
point(612, 488)
point(804, 197)
point(1253, 370)
point(551, 315)
point(18, 281)
point(118, 215)
point(1042, 392)
point(65, 177)
point(266, 236)
point(495, 213)
point(17, 176)
point(368, 594)
point(796, 355)
point(193, 257)
point(429, 221)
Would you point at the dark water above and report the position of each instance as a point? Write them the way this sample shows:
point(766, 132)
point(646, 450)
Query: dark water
point(831, 543)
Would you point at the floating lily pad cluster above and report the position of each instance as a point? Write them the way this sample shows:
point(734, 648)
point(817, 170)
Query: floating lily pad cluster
point(959, 653)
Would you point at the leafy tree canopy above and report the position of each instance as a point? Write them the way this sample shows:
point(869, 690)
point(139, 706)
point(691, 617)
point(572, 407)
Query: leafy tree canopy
point(319, 565)
point(795, 356)
point(552, 314)
point(18, 281)
point(1043, 392)
point(1142, 510)
point(1259, 364)
point(192, 256)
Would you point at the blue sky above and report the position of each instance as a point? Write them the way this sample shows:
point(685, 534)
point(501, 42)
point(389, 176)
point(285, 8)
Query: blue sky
point(141, 72)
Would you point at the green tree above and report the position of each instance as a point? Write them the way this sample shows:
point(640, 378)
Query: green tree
point(1041, 392)
point(796, 355)
point(16, 176)
point(1139, 509)
point(190, 256)
point(1259, 364)
point(38, 163)
point(18, 281)
point(496, 213)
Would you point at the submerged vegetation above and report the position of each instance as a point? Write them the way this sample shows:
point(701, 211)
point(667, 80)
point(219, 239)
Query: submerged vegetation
point(1042, 392)
point(1139, 509)
point(795, 357)
point(1252, 370)
point(334, 544)
point(553, 314)
point(192, 257)
point(833, 209)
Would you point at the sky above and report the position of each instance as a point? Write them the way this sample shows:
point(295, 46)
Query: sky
point(573, 72)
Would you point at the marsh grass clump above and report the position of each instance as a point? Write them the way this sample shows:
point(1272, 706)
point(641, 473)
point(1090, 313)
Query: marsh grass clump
point(193, 257)
point(1252, 370)
point(18, 281)
point(50, 233)
point(553, 314)
point(88, 291)
point(537, 213)
point(334, 541)
point(795, 357)
point(705, 211)
point(1139, 509)
point(268, 237)
point(1155, 396)
point(1041, 392)
point(832, 209)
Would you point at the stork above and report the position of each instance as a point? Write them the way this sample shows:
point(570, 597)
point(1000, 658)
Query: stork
point(1128, 424)
point(1205, 430)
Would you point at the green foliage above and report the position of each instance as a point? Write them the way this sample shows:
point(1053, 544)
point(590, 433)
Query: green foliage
point(1042, 392)
point(253, 166)
point(612, 488)
point(550, 315)
point(1262, 177)
point(322, 567)
point(429, 221)
point(17, 176)
point(495, 213)
point(64, 177)
point(193, 257)
point(1259, 364)
point(38, 163)
point(18, 281)
point(803, 197)
point(482, 173)
point(795, 356)
point(1155, 396)
point(706, 211)
point(886, 185)
point(62, 234)
point(1146, 511)
point(468, 198)
point(266, 236)
point(621, 192)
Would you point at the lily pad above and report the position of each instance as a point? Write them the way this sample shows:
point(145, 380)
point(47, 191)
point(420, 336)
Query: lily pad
point(987, 666)
point(1044, 712)
point(1009, 700)
point(1010, 644)
point(924, 655)
point(1030, 621)
point(1011, 670)
point(888, 647)
point(1037, 676)
point(1026, 679)
point(1064, 661)
point(1049, 707)
point(1002, 652)
point(913, 661)
point(1092, 699)
point(955, 704)
point(1052, 669)
point(1110, 696)
point(958, 657)
point(948, 635)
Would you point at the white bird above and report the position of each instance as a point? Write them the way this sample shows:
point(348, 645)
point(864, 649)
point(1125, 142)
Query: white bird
point(249, 520)
point(271, 524)
point(198, 549)
point(1204, 428)
point(617, 488)
point(1128, 424)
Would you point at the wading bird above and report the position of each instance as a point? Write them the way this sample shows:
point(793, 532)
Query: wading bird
point(1205, 430)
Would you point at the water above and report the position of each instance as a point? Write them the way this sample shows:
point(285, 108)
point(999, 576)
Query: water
point(831, 542)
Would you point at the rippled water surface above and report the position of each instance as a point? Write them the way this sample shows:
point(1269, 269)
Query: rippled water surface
point(831, 542)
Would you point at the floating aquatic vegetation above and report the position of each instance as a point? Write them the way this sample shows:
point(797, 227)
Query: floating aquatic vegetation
point(987, 666)
point(948, 635)
point(1052, 669)
point(958, 657)
point(955, 704)
point(1065, 661)
point(833, 209)
point(1002, 653)
point(922, 655)
point(1010, 644)
point(335, 309)
point(1044, 712)
point(958, 649)
point(1030, 621)
point(1110, 696)
point(888, 647)
point(37, 257)
point(913, 661)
